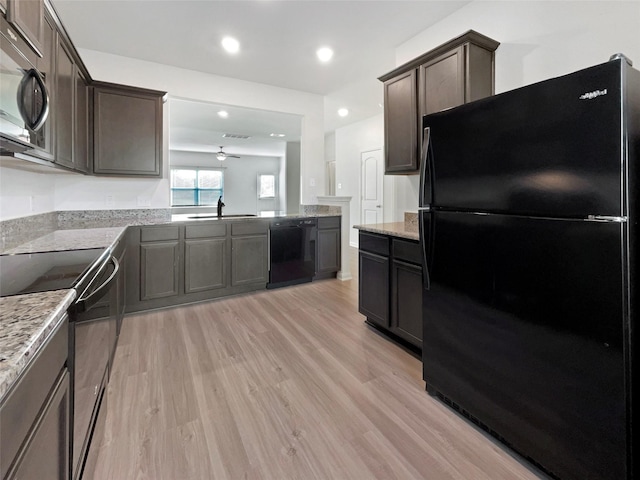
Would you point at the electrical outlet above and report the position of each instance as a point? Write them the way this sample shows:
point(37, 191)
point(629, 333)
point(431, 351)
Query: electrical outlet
point(144, 201)
point(109, 201)
point(339, 186)
point(312, 182)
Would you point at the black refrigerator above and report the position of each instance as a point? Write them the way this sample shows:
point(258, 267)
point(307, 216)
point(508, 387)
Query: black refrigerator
point(529, 229)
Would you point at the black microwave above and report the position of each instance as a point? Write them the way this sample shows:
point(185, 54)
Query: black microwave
point(24, 100)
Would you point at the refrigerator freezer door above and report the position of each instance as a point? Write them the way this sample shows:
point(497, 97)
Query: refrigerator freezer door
point(523, 329)
point(548, 149)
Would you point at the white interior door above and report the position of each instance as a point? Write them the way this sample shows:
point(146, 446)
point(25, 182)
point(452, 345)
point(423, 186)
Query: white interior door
point(372, 176)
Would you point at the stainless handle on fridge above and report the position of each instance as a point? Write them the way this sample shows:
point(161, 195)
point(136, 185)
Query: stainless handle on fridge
point(425, 167)
point(424, 240)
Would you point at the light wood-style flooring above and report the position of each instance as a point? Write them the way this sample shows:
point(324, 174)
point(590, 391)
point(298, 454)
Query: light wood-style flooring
point(282, 384)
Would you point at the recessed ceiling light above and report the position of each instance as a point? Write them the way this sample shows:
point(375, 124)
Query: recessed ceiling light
point(343, 112)
point(324, 54)
point(231, 45)
point(223, 114)
point(277, 135)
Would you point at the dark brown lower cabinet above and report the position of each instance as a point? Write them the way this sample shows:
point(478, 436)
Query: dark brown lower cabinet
point(373, 297)
point(177, 264)
point(390, 288)
point(406, 301)
point(35, 415)
point(328, 247)
point(47, 452)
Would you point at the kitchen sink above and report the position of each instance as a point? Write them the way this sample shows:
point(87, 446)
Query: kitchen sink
point(223, 216)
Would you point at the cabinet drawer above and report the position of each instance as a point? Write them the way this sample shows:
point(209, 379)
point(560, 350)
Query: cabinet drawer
point(152, 234)
point(407, 250)
point(20, 409)
point(204, 231)
point(328, 222)
point(374, 243)
point(249, 228)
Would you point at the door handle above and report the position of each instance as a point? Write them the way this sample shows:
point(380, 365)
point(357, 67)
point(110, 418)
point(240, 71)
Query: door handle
point(378, 206)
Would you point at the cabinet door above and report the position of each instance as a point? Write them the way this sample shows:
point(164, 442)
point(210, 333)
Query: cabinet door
point(159, 267)
point(47, 452)
point(249, 260)
point(373, 295)
point(401, 124)
point(442, 82)
point(204, 264)
point(328, 250)
point(81, 140)
point(64, 105)
point(27, 16)
point(46, 66)
point(406, 301)
point(127, 132)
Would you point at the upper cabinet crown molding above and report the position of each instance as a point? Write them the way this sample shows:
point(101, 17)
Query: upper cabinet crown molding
point(470, 36)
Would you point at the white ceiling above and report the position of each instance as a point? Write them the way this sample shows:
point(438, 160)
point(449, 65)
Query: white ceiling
point(196, 126)
point(278, 41)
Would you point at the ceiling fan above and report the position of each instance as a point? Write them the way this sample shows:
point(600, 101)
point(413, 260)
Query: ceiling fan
point(223, 156)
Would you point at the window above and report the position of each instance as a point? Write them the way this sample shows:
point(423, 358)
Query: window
point(266, 186)
point(196, 186)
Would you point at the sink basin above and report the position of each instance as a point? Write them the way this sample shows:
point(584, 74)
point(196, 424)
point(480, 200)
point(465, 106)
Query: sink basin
point(224, 216)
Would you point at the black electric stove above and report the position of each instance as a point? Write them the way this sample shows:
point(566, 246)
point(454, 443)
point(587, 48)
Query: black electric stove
point(44, 271)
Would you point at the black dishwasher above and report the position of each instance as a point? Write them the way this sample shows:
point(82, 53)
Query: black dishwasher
point(292, 250)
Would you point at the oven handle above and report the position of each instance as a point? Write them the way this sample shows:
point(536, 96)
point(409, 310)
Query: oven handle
point(84, 303)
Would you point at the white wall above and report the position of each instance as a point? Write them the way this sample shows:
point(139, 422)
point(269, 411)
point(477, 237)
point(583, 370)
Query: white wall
point(240, 179)
point(200, 86)
point(25, 193)
point(350, 142)
point(293, 177)
point(73, 192)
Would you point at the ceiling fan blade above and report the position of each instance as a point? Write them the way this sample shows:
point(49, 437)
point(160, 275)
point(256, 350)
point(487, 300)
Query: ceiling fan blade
point(233, 156)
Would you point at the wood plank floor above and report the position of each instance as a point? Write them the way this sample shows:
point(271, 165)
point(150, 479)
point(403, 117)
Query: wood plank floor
point(282, 384)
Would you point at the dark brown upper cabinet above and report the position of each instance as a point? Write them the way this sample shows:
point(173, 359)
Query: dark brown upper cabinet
point(457, 72)
point(27, 16)
point(127, 131)
point(400, 132)
point(64, 105)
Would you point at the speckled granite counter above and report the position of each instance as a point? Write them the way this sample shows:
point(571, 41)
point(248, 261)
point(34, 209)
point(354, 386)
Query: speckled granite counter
point(395, 229)
point(25, 323)
point(76, 239)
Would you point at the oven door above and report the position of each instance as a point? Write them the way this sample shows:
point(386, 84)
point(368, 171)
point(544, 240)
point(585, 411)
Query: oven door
point(24, 104)
point(93, 327)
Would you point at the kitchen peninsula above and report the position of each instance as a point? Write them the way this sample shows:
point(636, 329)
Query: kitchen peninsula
point(231, 251)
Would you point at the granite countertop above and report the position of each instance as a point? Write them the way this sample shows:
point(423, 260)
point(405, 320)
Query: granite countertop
point(75, 239)
point(25, 323)
point(395, 229)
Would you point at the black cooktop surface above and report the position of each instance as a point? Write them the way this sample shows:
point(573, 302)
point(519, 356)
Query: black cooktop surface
point(44, 271)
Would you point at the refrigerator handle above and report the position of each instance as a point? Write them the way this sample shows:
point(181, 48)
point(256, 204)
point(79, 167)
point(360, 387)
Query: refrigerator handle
point(425, 168)
point(425, 239)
